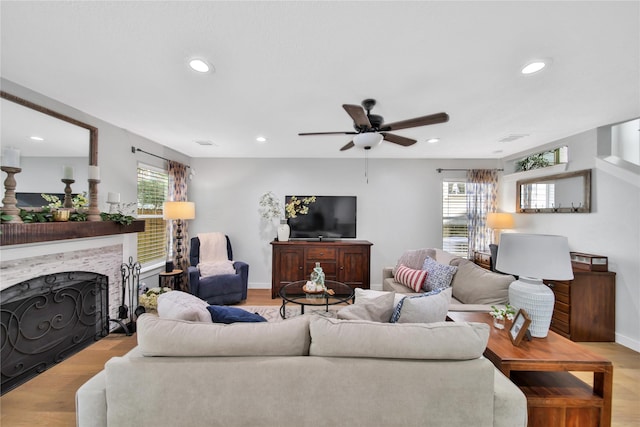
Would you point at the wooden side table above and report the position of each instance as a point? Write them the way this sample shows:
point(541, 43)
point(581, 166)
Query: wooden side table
point(540, 368)
point(172, 279)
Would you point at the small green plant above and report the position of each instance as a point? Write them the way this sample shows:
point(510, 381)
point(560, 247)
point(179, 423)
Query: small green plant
point(29, 217)
point(534, 161)
point(117, 217)
point(508, 312)
point(5, 217)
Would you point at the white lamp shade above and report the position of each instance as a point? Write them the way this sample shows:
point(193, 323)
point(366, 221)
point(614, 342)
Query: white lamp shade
point(534, 257)
point(537, 256)
point(367, 139)
point(178, 210)
point(499, 220)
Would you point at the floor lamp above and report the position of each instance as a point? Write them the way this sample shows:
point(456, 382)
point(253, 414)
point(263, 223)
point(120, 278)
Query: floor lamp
point(534, 257)
point(178, 211)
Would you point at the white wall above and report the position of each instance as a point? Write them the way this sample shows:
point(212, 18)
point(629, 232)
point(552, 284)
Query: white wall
point(611, 229)
point(399, 208)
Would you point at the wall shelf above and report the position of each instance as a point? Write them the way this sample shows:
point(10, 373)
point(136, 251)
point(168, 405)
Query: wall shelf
point(19, 233)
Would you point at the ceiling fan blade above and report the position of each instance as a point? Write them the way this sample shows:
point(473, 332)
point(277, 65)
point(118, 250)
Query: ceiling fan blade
point(358, 115)
point(397, 139)
point(418, 121)
point(327, 133)
point(346, 147)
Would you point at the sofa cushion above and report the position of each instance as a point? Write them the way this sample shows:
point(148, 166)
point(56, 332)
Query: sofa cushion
point(183, 306)
point(361, 338)
point(414, 258)
point(427, 308)
point(411, 278)
point(363, 295)
point(169, 337)
point(438, 275)
point(378, 309)
point(475, 285)
point(224, 314)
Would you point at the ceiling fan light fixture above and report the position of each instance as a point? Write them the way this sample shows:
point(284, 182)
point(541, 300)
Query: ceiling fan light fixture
point(367, 140)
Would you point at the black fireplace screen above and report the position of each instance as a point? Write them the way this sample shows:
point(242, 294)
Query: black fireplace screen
point(49, 318)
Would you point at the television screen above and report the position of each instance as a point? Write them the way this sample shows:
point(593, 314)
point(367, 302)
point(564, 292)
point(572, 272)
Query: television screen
point(329, 217)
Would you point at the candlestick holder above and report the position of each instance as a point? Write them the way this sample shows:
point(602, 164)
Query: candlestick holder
point(9, 201)
point(93, 213)
point(68, 202)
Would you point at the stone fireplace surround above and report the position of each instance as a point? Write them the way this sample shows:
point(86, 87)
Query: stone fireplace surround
point(102, 255)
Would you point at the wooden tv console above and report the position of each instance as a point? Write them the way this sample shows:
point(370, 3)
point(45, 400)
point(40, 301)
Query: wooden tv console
point(346, 261)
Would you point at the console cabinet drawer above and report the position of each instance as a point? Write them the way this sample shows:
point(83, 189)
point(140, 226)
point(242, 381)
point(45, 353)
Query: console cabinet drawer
point(321, 253)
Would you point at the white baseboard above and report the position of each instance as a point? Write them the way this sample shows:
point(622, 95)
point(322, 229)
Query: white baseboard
point(628, 342)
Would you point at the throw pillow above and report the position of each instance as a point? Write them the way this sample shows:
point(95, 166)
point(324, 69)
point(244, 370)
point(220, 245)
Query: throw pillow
point(216, 268)
point(224, 314)
point(475, 285)
point(412, 279)
point(182, 306)
point(439, 275)
point(376, 310)
point(363, 295)
point(428, 308)
point(414, 258)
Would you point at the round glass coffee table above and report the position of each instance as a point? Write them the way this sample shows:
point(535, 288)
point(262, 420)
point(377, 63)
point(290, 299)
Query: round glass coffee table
point(293, 293)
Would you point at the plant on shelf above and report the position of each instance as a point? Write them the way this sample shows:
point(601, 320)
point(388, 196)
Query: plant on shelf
point(534, 161)
point(117, 217)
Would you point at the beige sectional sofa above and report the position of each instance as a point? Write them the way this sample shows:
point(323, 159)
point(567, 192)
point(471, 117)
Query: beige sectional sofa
point(473, 288)
point(305, 371)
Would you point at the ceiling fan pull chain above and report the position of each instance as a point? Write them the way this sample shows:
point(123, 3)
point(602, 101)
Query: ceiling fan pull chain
point(366, 166)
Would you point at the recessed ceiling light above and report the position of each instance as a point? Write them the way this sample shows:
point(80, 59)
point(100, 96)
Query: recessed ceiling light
point(200, 65)
point(36, 138)
point(533, 67)
point(433, 140)
point(261, 139)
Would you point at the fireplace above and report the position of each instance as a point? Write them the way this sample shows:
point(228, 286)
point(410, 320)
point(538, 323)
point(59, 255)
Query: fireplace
point(49, 318)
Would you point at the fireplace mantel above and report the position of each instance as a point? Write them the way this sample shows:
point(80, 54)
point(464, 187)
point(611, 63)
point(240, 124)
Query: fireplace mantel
point(17, 233)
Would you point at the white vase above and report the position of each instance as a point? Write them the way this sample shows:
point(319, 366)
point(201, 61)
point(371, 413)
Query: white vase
point(537, 299)
point(283, 231)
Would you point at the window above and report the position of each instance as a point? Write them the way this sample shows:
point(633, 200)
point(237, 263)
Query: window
point(455, 232)
point(153, 188)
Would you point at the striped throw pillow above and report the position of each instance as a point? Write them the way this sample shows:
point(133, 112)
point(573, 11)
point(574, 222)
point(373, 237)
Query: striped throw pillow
point(413, 279)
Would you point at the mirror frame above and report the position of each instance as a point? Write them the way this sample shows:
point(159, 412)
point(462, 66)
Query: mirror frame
point(586, 187)
point(93, 131)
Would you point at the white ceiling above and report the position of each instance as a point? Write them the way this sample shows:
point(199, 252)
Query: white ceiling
point(287, 67)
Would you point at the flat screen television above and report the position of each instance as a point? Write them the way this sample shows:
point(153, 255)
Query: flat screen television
point(329, 217)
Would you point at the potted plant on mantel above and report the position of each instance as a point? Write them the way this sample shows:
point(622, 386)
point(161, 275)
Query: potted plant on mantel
point(271, 208)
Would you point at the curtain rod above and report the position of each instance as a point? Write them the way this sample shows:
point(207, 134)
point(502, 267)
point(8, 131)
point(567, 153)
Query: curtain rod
point(134, 149)
point(440, 170)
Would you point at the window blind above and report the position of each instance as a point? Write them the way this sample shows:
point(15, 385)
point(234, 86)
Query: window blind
point(153, 189)
point(455, 231)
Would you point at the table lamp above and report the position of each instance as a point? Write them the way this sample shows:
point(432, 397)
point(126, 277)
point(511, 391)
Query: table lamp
point(497, 221)
point(178, 211)
point(534, 257)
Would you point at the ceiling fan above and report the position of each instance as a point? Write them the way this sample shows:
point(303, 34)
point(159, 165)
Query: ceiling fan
point(370, 129)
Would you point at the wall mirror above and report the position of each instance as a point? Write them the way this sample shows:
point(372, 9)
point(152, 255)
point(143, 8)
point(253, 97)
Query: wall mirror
point(561, 193)
point(65, 142)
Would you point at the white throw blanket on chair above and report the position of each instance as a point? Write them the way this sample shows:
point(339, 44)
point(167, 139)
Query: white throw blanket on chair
point(214, 259)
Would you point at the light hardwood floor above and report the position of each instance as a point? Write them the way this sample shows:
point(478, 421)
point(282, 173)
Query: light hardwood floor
point(49, 399)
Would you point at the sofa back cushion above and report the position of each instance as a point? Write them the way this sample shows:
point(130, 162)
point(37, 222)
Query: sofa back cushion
point(171, 337)
point(414, 258)
point(361, 338)
point(475, 285)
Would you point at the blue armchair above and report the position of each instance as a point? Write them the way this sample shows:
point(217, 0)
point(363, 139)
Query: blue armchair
point(222, 289)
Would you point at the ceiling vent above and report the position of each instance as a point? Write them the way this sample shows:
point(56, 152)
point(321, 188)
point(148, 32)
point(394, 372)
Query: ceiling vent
point(207, 142)
point(513, 137)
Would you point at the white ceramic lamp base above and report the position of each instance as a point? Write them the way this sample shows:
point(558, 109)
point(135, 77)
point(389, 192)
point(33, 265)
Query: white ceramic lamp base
point(537, 299)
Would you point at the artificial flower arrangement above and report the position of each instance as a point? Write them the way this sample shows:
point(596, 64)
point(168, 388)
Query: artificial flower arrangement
point(271, 208)
point(149, 299)
point(79, 201)
point(507, 312)
point(297, 206)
